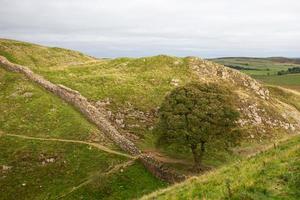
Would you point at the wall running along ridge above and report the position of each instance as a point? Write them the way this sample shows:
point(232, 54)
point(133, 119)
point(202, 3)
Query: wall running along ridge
point(92, 114)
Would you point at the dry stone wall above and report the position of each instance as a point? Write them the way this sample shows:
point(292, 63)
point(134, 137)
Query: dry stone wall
point(92, 114)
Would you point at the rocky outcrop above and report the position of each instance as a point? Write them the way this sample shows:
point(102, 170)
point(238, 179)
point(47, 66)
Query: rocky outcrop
point(259, 112)
point(209, 70)
point(95, 116)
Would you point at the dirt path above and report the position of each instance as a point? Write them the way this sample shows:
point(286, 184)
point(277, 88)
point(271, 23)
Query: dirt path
point(99, 174)
point(96, 145)
point(75, 64)
point(166, 159)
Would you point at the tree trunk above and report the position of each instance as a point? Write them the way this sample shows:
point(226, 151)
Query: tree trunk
point(198, 155)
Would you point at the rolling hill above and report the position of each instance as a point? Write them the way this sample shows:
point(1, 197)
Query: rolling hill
point(46, 134)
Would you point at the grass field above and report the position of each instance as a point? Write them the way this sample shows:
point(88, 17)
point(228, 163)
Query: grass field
point(266, 70)
point(263, 66)
point(291, 81)
point(274, 174)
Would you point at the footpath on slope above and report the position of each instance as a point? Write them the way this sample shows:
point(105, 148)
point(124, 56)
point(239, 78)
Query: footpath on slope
point(93, 177)
point(96, 145)
point(74, 98)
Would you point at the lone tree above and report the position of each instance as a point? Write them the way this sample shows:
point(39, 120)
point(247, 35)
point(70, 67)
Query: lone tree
point(197, 115)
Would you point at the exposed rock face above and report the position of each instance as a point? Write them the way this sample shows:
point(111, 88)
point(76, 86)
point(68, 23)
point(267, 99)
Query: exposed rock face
point(209, 70)
point(128, 119)
point(259, 117)
point(252, 99)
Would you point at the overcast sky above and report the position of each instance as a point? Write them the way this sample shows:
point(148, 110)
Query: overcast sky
point(113, 28)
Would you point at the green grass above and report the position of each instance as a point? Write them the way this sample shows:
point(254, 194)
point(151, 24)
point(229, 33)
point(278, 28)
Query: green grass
point(41, 114)
point(73, 164)
point(286, 96)
point(136, 84)
point(290, 80)
point(27, 109)
point(266, 70)
point(274, 174)
point(264, 66)
point(143, 82)
point(132, 183)
point(37, 56)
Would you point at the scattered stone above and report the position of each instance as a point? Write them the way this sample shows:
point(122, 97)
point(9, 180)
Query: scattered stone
point(174, 82)
point(6, 168)
point(50, 160)
point(104, 102)
point(292, 127)
point(120, 122)
point(27, 94)
point(177, 62)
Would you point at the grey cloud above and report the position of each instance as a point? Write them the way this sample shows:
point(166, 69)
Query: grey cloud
point(110, 28)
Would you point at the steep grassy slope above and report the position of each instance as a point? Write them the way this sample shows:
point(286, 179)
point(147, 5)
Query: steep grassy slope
point(46, 170)
point(274, 174)
point(141, 82)
point(38, 56)
point(28, 110)
point(31, 168)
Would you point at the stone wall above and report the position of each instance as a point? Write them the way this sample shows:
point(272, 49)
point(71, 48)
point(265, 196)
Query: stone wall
point(93, 115)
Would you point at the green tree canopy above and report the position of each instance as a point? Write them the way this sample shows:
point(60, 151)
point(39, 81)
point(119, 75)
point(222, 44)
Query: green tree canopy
point(196, 115)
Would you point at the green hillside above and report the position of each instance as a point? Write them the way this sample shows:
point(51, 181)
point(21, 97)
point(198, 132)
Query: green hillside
point(274, 174)
point(38, 56)
point(49, 150)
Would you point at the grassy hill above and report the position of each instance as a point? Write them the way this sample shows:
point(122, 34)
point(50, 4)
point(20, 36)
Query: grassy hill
point(274, 174)
point(38, 56)
point(128, 91)
point(47, 148)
